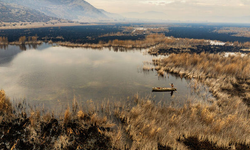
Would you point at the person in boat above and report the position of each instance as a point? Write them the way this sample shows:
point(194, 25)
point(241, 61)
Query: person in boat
point(172, 85)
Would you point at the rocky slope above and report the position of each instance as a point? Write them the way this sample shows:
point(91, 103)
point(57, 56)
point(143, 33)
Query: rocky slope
point(17, 13)
point(77, 10)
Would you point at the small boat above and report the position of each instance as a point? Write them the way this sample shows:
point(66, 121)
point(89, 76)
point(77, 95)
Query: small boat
point(161, 89)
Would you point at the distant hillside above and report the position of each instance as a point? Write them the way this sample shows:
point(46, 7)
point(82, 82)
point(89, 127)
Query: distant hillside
point(112, 15)
point(77, 10)
point(17, 13)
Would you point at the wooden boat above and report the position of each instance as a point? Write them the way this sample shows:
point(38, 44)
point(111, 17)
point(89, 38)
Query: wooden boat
point(162, 89)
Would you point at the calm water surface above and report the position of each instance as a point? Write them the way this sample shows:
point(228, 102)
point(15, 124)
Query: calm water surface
point(55, 75)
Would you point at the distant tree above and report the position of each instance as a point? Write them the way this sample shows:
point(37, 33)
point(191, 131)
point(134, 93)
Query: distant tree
point(34, 38)
point(101, 42)
point(228, 43)
point(22, 39)
point(246, 44)
point(236, 43)
point(4, 40)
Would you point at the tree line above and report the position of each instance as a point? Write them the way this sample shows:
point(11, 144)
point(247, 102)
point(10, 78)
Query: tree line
point(23, 39)
point(4, 40)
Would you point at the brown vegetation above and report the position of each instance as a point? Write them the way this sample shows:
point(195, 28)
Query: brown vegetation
point(23, 40)
point(223, 124)
point(227, 77)
point(237, 31)
point(3, 40)
point(77, 129)
point(143, 125)
point(149, 41)
point(160, 44)
point(194, 126)
point(211, 65)
point(5, 104)
point(177, 45)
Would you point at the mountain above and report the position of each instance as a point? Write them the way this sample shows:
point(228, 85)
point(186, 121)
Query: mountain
point(17, 13)
point(76, 10)
point(112, 15)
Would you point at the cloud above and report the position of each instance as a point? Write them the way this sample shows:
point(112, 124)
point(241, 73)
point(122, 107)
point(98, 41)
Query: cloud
point(163, 2)
point(198, 2)
point(245, 1)
point(180, 10)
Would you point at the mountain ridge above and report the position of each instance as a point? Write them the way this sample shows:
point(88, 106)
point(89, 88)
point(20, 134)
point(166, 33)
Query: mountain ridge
point(16, 13)
point(76, 10)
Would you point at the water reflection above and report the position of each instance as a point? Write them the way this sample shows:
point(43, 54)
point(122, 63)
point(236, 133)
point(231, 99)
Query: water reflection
point(22, 47)
point(49, 74)
point(3, 46)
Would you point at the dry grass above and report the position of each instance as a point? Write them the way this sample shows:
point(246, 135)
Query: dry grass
point(141, 124)
point(5, 104)
point(211, 65)
point(226, 77)
point(150, 125)
point(39, 129)
point(161, 72)
point(3, 40)
point(149, 41)
point(237, 31)
point(225, 123)
point(154, 41)
point(148, 68)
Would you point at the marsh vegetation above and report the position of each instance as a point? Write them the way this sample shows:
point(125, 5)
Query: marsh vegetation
point(130, 122)
point(235, 31)
point(135, 124)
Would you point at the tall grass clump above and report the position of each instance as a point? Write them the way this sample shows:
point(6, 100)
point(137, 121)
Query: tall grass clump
point(5, 104)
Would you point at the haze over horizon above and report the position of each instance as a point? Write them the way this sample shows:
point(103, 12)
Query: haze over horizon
point(234, 11)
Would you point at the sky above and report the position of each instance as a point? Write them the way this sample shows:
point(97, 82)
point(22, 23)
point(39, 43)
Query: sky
point(180, 10)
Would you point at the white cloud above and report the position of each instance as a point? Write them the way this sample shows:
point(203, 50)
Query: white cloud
point(247, 2)
point(163, 2)
point(199, 2)
point(199, 10)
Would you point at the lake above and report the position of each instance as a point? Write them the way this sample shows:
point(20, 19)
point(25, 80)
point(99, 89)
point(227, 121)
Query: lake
point(53, 76)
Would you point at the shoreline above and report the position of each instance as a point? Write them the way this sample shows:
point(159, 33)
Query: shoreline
point(47, 26)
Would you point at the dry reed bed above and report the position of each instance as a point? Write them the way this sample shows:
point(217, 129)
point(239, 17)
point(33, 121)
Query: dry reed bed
point(236, 31)
point(76, 129)
point(211, 65)
point(149, 41)
point(155, 42)
point(151, 126)
point(226, 76)
point(222, 125)
point(145, 125)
